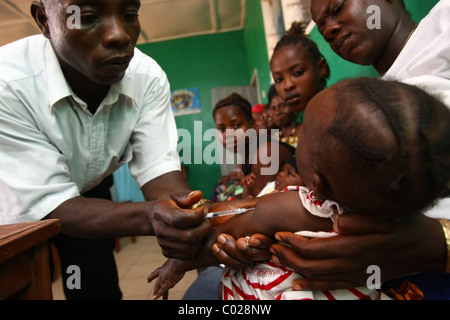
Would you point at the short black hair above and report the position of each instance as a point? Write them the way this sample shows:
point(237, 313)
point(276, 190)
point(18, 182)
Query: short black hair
point(271, 93)
point(236, 100)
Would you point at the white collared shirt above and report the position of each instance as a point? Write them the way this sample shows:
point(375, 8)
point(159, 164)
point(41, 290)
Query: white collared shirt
point(52, 148)
point(425, 60)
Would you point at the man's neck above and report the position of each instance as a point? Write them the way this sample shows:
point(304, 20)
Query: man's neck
point(90, 92)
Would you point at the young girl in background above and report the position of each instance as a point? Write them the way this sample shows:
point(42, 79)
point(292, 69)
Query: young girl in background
point(298, 68)
point(234, 114)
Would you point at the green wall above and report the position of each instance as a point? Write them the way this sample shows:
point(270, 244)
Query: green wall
point(256, 46)
point(209, 61)
point(342, 69)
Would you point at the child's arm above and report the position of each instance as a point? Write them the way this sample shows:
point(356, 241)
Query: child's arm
point(273, 213)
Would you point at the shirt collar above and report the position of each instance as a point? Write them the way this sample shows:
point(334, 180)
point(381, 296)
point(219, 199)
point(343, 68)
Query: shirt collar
point(59, 88)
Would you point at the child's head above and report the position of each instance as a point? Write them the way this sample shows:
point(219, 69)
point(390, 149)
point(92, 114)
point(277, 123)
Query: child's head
point(288, 175)
point(298, 68)
point(259, 119)
point(233, 112)
point(268, 117)
point(282, 113)
point(377, 147)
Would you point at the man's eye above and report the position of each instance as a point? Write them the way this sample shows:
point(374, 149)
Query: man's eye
point(339, 7)
point(131, 16)
point(89, 17)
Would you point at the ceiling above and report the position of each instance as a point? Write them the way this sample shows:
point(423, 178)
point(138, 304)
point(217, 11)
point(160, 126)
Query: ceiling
point(160, 19)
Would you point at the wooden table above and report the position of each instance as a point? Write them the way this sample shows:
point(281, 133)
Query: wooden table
point(24, 260)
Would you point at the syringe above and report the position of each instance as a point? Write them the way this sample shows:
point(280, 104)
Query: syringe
point(227, 212)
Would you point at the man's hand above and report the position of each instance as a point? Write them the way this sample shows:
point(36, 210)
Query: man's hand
point(179, 229)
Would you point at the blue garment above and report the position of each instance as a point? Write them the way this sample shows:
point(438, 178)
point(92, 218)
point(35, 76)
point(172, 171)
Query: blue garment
point(206, 286)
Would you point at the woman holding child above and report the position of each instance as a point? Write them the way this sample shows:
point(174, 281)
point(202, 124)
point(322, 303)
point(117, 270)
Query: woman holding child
point(404, 51)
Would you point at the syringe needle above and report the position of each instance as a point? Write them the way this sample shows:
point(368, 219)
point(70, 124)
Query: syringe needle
point(227, 212)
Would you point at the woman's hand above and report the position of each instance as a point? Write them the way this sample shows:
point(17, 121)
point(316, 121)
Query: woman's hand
point(235, 254)
point(397, 248)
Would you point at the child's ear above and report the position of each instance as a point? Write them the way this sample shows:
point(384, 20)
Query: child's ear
point(40, 16)
point(318, 183)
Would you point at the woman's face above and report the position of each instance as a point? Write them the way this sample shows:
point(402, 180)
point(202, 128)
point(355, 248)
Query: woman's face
point(282, 113)
point(345, 25)
point(297, 77)
point(232, 125)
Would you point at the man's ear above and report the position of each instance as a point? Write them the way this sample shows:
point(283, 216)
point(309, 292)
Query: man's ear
point(40, 16)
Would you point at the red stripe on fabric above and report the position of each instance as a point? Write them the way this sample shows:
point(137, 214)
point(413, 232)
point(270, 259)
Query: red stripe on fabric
point(268, 286)
point(243, 294)
point(227, 292)
point(328, 295)
point(359, 294)
point(273, 265)
point(227, 274)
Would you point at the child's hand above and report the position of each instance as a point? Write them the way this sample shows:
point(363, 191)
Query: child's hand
point(249, 180)
point(168, 276)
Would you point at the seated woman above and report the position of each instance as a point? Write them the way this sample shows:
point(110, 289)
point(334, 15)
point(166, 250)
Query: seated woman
point(369, 146)
point(260, 156)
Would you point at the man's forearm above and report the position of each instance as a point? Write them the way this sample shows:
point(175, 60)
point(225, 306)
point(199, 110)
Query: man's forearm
point(162, 186)
point(98, 218)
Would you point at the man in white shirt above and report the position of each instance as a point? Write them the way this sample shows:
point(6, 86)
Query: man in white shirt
point(75, 105)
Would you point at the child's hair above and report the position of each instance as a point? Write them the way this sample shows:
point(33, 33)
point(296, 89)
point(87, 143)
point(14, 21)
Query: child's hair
point(419, 125)
point(296, 35)
point(292, 162)
point(236, 99)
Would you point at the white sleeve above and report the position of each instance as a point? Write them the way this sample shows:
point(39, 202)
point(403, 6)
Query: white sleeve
point(154, 139)
point(34, 176)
